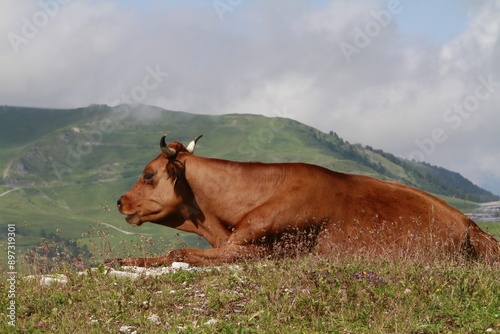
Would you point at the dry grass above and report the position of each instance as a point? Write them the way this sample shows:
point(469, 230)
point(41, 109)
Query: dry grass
point(422, 293)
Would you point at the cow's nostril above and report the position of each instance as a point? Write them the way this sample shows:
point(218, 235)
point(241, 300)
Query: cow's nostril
point(119, 202)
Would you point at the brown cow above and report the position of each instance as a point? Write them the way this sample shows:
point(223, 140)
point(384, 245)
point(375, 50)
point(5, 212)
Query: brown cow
point(244, 209)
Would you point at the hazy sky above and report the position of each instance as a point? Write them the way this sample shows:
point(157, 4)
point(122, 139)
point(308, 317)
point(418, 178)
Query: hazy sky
point(419, 79)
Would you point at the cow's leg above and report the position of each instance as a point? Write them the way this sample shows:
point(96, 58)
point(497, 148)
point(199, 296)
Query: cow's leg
point(259, 224)
point(198, 257)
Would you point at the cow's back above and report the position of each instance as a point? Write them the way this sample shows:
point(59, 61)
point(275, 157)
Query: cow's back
point(364, 213)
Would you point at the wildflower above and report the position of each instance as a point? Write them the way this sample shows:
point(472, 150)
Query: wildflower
point(371, 277)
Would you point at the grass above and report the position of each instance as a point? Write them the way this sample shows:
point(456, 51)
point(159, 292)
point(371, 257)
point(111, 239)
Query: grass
point(491, 228)
point(303, 294)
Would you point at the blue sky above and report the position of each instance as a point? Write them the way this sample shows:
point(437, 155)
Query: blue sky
point(439, 21)
point(308, 60)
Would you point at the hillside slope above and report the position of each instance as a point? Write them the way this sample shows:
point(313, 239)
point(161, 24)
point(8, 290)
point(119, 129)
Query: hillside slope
point(72, 165)
point(99, 143)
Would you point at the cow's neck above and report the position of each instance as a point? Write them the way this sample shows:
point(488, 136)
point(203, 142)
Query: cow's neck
point(225, 190)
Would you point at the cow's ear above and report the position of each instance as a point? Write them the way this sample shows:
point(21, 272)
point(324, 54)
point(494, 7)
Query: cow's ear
point(171, 170)
point(174, 170)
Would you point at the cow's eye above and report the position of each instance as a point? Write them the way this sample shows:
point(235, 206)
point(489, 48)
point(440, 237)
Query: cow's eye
point(148, 176)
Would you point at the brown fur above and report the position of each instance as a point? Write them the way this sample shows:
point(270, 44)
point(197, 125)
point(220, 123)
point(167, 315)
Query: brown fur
point(243, 209)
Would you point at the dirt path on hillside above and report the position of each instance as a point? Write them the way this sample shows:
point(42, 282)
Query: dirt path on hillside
point(120, 230)
point(8, 191)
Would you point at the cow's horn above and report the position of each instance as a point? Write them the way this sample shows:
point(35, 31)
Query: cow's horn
point(168, 151)
point(192, 144)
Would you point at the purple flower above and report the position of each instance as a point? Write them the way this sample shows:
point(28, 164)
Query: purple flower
point(370, 276)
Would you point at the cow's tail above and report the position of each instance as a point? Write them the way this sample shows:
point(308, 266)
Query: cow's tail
point(481, 245)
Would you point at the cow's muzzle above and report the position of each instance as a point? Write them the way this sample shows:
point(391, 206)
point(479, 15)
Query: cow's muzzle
point(132, 219)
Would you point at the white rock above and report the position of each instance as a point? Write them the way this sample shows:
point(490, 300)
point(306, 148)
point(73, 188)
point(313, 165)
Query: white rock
point(124, 274)
point(180, 265)
point(127, 329)
point(155, 319)
point(47, 280)
point(211, 322)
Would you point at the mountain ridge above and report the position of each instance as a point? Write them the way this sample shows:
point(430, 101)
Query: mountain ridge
point(49, 144)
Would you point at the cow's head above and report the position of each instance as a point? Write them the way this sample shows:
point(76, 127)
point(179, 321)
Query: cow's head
point(157, 194)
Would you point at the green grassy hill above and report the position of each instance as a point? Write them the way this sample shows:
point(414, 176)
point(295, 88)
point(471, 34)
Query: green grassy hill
point(71, 165)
